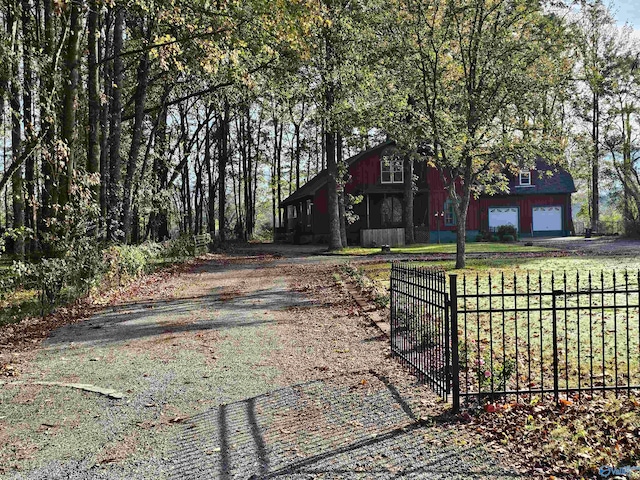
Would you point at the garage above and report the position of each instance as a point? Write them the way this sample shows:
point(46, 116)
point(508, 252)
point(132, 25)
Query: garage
point(499, 216)
point(547, 219)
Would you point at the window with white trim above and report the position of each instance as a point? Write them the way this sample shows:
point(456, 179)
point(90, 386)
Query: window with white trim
point(392, 170)
point(449, 214)
point(525, 178)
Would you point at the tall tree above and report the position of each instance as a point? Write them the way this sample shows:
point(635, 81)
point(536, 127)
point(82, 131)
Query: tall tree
point(139, 98)
point(28, 39)
point(598, 46)
point(469, 65)
point(93, 88)
point(13, 28)
point(69, 105)
point(222, 170)
point(115, 129)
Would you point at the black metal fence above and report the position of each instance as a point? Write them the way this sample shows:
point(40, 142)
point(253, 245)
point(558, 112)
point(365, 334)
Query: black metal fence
point(525, 334)
point(420, 323)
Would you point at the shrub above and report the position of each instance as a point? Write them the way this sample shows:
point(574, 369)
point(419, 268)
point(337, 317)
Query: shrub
point(507, 230)
point(180, 247)
point(494, 238)
point(479, 238)
point(508, 238)
point(86, 264)
point(50, 276)
point(130, 261)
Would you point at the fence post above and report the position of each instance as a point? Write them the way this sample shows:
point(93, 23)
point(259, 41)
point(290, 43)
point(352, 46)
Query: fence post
point(392, 316)
point(554, 319)
point(455, 362)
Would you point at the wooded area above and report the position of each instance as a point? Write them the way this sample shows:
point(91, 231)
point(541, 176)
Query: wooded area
point(134, 121)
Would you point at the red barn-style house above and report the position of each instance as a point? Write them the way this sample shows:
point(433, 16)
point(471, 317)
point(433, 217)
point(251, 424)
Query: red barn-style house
point(537, 204)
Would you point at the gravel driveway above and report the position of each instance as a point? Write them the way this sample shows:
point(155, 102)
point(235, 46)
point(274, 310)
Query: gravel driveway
point(605, 246)
point(247, 366)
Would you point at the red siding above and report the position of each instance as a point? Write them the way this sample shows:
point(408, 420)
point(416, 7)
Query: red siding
point(365, 172)
point(438, 196)
point(320, 211)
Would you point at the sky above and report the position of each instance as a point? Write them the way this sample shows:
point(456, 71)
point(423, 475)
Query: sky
point(627, 11)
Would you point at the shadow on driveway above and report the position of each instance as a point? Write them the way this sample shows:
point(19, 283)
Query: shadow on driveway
point(153, 318)
point(353, 427)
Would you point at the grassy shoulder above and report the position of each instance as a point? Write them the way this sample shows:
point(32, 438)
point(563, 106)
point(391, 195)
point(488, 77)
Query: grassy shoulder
point(435, 248)
point(29, 289)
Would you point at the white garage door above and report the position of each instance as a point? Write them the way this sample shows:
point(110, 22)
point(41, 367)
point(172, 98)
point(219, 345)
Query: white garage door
point(503, 216)
point(546, 219)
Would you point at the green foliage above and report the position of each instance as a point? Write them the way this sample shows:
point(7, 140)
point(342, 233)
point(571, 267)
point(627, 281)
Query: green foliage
point(351, 200)
point(507, 233)
point(180, 247)
point(87, 266)
point(264, 233)
point(49, 277)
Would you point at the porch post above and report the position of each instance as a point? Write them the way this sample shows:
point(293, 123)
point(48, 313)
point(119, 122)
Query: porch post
point(367, 196)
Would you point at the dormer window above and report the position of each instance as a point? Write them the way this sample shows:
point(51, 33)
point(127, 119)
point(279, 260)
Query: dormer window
point(525, 178)
point(391, 170)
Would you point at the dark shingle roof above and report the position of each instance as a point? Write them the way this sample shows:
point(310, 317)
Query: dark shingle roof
point(308, 189)
point(560, 182)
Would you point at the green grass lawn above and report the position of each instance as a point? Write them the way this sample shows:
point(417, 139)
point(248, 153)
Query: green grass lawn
point(418, 249)
point(603, 339)
point(380, 271)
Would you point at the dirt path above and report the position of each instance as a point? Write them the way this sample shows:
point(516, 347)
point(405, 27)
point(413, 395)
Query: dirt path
point(242, 367)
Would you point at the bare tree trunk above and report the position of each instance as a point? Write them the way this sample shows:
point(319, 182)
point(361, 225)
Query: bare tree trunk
point(595, 166)
point(211, 186)
point(461, 206)
point(222, 170)
point(256, 164)
point(274, 178)
point(279, 171)
point(47, 122)
point(159, 217)
point(136, 142)
point(93, 87)
point(69, 107)
point(187, 203)
point(27, 108)
point(298, 152)
point(249, 203)
point(16, 130)
point(115, 131)
point(341, 193)
point(198, 198)
point(105, 120)
point(335, 238)
point(408, 201)
point(626, 166)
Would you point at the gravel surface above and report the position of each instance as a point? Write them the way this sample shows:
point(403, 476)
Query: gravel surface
point(348, 427)
point(604, 246)
point(246, 366)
